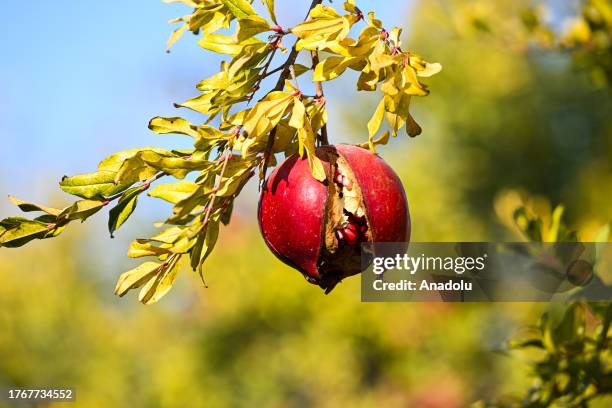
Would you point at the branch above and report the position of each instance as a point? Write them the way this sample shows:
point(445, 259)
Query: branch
point(211, 203)
point(323, 140)
point(284, 75)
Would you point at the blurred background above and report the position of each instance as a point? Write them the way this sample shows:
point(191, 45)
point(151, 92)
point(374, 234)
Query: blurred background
point(522, 107)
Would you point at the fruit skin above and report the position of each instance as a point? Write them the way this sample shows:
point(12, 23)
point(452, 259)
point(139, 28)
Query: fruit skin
point(292, 209)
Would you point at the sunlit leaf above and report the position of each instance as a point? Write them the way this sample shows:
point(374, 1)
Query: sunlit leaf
point(239, 8)
point(136, 277)
point(92, 185)
point(29, 207)
point(82, 209)
point(377, 119)
point(175, 36)
point(270, 7)
point(251, 26)
point(174, 192)
point(18, 231)
point(173, 125)
point(158, 286)
point(124, 208)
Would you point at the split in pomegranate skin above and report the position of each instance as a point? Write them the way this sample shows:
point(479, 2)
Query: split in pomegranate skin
point(319, 227)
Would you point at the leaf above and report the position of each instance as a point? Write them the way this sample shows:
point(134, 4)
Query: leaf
point(239, 8)
point(332, 67)
point(298, 114)
point(174, 192)
point(190, 3)
point(306, 138)
point(136, 277)
point(225, 44)
point(92, 185)
point(250, 26)
point(204, 246)
point(376, 120)
point(265, 115)
point(158, 286)
point(323, 26)
point(175, 36)
point(209, 18)
point(173, 125)
point(270, 6)
point(430, 69)
point(82, 209)
point(381, 141)
point(18, 231)
point(124, 208)
point(142, 247)
point(29, 207)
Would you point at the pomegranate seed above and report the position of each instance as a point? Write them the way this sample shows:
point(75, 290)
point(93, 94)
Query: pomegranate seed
point(352, 227)
point(350, 237)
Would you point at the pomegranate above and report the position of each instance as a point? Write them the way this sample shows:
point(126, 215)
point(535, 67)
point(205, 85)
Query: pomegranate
point(319, 227)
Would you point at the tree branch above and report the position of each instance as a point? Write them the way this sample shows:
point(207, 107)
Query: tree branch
point(284, 75)
point(323, 140)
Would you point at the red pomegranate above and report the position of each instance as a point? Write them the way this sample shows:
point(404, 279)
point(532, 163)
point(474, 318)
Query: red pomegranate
point(319, 227)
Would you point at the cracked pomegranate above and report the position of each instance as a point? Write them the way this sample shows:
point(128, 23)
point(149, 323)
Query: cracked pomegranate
point(319, 227)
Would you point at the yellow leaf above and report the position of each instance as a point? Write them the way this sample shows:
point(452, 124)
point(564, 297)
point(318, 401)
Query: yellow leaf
point(225, 44)
point(136, 277)
point(298, 114)
point(430, 69)
point(332, 67)
point(266, 114)
point(250, 26)
point(174, 192)
point(376, 120)
point(158, 286)
point(270, 6)
point(174, 37)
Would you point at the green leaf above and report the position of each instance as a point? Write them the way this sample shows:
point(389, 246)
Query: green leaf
point(93, 185)
point(124, 208)
point(82, 209)
point(174, 192)
point(18, 231)
point(136, 277)
point(239, 8)
point(173, 125)
point(29, 207)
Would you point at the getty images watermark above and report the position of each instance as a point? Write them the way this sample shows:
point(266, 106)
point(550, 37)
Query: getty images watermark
point(481, 271)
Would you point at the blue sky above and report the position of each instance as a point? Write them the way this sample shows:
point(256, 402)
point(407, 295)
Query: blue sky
point(81, 79)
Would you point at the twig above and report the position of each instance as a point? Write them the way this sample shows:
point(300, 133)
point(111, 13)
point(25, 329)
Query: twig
point(211, 203)
point(263, 75)
point(285, 72)
point(143, 186)
point(320, 96)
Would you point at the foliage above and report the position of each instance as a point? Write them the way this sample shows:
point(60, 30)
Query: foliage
point(587, 35)
point(573, 341)
point(225, 157)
